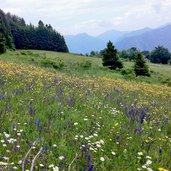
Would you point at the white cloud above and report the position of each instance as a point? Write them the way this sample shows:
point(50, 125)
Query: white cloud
point(92, 16)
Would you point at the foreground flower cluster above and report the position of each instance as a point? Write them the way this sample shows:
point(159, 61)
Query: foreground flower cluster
point(81, 123)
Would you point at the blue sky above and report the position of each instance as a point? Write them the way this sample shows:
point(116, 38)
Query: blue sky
point(92, 16)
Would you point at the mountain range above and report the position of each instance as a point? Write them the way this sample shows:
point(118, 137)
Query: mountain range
point(142, 39)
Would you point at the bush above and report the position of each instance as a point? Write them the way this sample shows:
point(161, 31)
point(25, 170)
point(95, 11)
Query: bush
point(52, 64)
point(85, 64)
point(160, 55)
point(127, 72)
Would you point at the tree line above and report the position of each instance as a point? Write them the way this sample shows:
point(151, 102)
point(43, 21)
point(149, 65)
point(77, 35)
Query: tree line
point(159, 55)
point(111, 59)
point(15, 33)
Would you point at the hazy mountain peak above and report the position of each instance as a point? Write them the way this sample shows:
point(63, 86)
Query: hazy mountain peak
point(143, 39)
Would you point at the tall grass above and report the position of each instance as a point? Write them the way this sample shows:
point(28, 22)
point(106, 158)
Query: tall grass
point(80, 121)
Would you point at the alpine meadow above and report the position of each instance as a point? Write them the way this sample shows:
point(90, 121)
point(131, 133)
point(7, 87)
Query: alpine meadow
point(100, 111)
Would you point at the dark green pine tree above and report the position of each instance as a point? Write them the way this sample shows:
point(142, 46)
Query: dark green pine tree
point(140, 66)
point(2, 44)
point(111, 57)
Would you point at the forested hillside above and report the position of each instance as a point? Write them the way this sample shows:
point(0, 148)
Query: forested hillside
point(19, 35)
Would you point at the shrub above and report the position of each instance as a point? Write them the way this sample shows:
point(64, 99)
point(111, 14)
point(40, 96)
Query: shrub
point(52, 64)
point(85, 64)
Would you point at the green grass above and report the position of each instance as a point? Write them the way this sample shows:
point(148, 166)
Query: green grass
point(82, 65)
point(81, 114)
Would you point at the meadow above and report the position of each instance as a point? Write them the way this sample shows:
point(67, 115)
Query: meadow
point(61, 111)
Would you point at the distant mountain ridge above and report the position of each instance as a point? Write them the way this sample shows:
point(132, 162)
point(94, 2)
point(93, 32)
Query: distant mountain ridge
point(142, 39)
point(148, 40)
point(83, 43)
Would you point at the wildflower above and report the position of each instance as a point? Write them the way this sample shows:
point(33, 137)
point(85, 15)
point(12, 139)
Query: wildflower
point(81, 136)
point(87, 138)
point(3, 164)
point(6, 135)
point(144, 166)
point(148, 157)
point(102, 159)
point(101, 141)
point(61, 157)
point(54, 145)
point(12, 140)
point(140, 153)
point(148, 162)
point(15, 129)
point(76, 123)
point(6, 158)
point(113, 153)
point(92, 149)
point(96, 135)
point(20, 162)
point(55, 168)
point(149, 169)
point(2, 141)
point(4, 145)
point(162, 169)
point(15, 168)
point(159, 130)
point(125, 150)
point(51, 165)
point(85, 119)
point(98, 145)
point(41, 165)
point(18, 133)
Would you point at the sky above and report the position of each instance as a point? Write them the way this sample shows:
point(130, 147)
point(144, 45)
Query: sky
point(92, 16)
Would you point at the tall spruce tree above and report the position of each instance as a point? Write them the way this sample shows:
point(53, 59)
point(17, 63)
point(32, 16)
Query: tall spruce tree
point(21, 36)
point(2, 44)
point(111, 57)
point(140, 66)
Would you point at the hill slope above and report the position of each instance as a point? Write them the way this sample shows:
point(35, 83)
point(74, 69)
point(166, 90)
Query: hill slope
point(79, 122)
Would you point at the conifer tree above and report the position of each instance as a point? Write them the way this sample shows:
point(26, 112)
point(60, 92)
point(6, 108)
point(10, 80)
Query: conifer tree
point(111, 57)
point(2, 44)
point(140, 66)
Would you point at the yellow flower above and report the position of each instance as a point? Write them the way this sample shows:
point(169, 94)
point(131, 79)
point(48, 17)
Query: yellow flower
point(162, 169)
